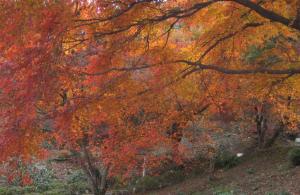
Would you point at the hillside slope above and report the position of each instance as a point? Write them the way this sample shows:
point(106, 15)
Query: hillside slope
point(263, 172)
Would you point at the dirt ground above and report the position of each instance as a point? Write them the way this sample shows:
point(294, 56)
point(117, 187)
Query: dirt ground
point(265, 172)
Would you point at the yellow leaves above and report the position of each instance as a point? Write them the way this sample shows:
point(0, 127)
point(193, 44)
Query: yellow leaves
point(188, 90)
point(284, 7)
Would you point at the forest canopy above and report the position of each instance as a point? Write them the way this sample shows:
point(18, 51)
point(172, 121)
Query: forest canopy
point(115, 80)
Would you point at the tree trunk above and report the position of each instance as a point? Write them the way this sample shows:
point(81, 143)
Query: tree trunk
point(212, 162)
point(211, 173)
point(96, 176)
point(275, 135)
point(103, 185)
point(261, 129)
point(261, 125)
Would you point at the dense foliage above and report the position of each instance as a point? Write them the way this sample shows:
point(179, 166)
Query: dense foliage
point(115, 82)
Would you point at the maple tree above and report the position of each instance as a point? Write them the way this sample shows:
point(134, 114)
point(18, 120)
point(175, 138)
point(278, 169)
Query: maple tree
point(107, 79)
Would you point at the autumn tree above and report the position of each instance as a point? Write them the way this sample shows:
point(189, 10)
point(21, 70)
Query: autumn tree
point(111, 77)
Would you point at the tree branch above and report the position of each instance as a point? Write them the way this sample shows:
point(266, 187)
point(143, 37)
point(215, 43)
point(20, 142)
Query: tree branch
point(268, 14)
point(200, 67)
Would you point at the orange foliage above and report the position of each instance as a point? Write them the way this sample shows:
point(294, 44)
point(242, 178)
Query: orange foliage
point(114, 76)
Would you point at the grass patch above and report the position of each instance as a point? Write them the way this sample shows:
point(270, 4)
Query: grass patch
point(54, 187)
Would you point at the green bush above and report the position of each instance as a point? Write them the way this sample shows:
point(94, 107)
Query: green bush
point(77, 182)
point(57, 192)
point(13, 190)
point(171, 177)
point(29, 189)
point(294, 156)
point(284, 193)
point(117, 182)
point(57, 184)
point(53, 187)
point(42, 176)
point(16, 190)
point(250, 171)
point(226, 160)
point(60, 188)
point(79, 188)
point(147, 183)
point(77, 176)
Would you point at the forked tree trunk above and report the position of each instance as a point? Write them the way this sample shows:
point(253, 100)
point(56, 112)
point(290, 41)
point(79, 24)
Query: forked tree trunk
point(97, 176)
point(262, 128)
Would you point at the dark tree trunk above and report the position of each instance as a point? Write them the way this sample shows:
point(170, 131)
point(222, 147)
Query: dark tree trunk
point(261, 127)
point(97, 176)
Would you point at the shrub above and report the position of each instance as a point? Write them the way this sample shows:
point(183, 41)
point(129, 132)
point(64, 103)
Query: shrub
point(3, 191)
point(226, 160)
point(77, 176)
point(284, 193)
point(147, 183)
point(29, 189)
point(172, 177)
point(56, 192)
point(42, 176)
point(294, 156)
point(57, 185)
point(250, 171)
point(77, 182)
point(13, 190)
point(16, 190)
point(118, 183)
point(79, 188)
